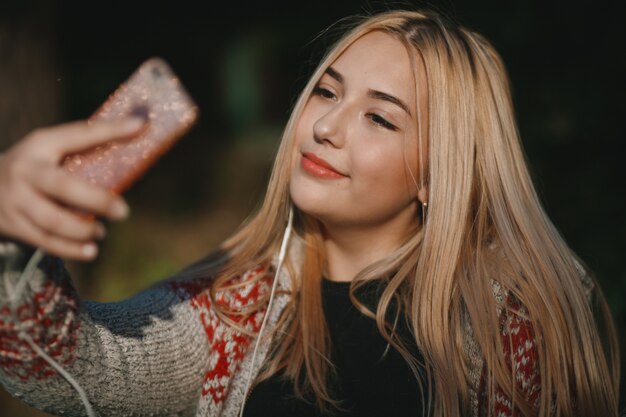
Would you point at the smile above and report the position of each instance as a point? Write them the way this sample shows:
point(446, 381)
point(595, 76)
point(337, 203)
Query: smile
point(318, 167)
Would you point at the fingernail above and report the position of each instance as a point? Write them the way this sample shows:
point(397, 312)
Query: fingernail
point(119, 210)
point(90, 250)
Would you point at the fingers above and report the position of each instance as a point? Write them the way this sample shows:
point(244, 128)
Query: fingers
point(62, 222)
point(54, 244)
point(77, 192)
point(43, 204)
point(56, 230)
point(53, 143)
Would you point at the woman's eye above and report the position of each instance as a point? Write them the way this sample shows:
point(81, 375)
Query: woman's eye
point(381, 121)
point(323, 92)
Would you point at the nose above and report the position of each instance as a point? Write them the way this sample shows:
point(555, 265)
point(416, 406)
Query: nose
point(330, 127)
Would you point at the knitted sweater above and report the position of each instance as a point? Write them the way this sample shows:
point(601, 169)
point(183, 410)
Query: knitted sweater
point(164, 351)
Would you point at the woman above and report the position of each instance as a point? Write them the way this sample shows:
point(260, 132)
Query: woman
point(400, 213)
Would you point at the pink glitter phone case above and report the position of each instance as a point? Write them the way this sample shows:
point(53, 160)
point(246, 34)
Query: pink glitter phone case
point(154, 92)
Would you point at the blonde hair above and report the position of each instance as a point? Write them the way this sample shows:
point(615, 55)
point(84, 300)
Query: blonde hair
point(485, 228)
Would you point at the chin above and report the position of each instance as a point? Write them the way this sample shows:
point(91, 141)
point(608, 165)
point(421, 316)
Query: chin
point(313, 204)
point(310, 203)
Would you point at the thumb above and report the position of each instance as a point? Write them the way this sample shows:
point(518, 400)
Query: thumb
point(76, 136)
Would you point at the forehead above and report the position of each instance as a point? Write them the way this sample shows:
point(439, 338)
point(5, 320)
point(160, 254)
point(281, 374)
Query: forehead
point(377, 61)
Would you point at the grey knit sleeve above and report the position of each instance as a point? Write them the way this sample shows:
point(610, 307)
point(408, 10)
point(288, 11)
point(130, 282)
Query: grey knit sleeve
point(142, 356)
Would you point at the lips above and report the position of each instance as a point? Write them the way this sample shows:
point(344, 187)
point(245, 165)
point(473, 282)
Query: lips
point(319, 167)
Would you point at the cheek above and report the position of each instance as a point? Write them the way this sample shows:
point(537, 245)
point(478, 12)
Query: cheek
point(382, 171)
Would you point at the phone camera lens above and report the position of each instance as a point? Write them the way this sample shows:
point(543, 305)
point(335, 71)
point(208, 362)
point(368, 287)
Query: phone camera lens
point(141, 111)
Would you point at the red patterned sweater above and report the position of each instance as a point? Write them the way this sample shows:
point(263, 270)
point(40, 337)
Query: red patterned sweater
point(165, 352)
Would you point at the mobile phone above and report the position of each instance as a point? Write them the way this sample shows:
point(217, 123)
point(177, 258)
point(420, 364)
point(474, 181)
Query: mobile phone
point(153, 91)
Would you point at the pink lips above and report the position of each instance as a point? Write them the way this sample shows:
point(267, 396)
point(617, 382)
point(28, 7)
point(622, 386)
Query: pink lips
point(318, 167)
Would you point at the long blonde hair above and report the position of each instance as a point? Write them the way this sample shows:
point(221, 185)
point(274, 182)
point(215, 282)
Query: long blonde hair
point(485, 228)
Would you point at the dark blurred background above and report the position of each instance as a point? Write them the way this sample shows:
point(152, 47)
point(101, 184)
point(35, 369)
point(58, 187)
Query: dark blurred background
point(244, 63)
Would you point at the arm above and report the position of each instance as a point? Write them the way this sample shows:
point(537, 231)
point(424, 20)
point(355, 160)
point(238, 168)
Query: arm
point(159, 353)
point(143, 356)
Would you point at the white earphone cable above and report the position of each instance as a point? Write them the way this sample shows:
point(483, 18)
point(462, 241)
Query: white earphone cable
point(14, 294)
point(281, 258)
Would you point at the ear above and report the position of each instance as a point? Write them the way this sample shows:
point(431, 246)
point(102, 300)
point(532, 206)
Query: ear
point(422, 195)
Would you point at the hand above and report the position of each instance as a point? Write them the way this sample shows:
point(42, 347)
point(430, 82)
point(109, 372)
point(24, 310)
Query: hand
point(39, 198)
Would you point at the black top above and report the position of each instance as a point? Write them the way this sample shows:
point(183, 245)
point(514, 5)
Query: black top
point(369, 382)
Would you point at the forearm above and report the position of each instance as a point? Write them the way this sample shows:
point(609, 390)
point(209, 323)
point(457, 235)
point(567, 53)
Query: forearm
point(143, 356)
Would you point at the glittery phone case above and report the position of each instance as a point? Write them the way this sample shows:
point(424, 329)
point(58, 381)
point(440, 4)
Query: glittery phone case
point(154, 92)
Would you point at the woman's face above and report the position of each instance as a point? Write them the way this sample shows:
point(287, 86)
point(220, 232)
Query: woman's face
point(357, 139)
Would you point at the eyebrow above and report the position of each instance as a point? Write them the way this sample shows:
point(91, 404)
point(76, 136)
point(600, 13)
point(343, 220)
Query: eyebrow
point(375, 94)
point(388, 97)
point(333, 73)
